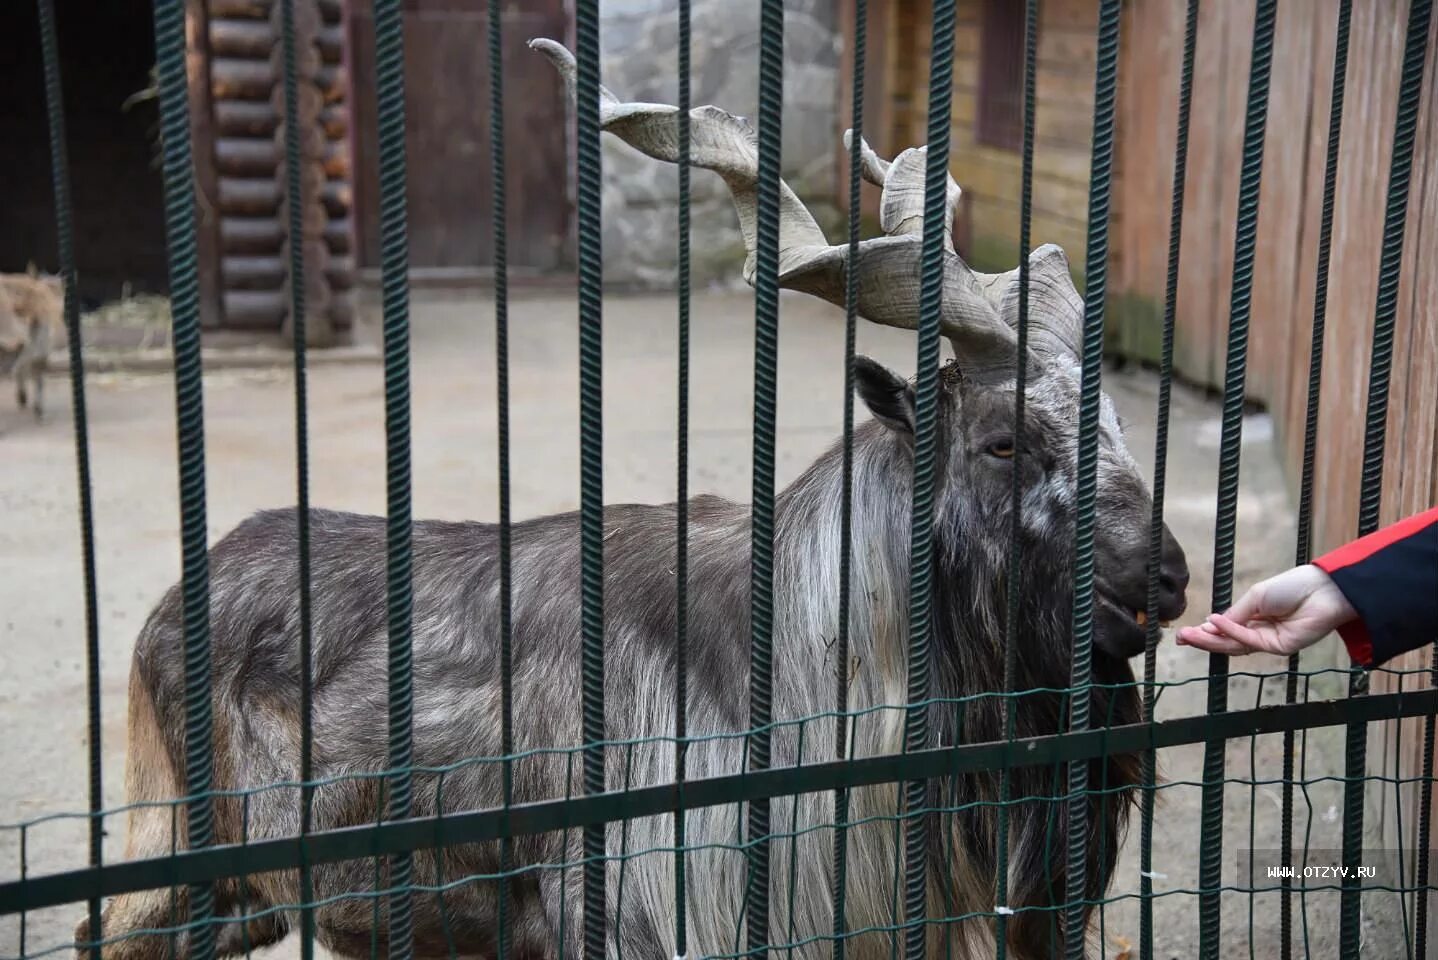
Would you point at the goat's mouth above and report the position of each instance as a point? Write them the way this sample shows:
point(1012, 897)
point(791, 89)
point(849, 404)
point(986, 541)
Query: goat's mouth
point(1120, 629)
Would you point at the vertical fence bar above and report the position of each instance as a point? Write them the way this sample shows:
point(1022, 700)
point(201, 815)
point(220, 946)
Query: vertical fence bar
point(190, 416)
point(65, 233)
point(1395, 220)
point(1096, 272)
point(681, 544)
point(766, 349)
point(498, 217)
point(1160, 472)
point(1016, 489)
point(1245, 238)
point(1304, 546)
point(394, 263)
point(921, 544)
point(1425, 822)
point(24, 872)
point(846, 489)
point(294, 199)
point(591, 461)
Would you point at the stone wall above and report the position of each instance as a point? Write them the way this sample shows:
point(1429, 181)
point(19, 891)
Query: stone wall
point(639, 41)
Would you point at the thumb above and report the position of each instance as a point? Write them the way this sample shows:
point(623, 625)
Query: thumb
point(1248, 606)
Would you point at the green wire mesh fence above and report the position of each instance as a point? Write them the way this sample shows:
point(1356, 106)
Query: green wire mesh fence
point(952, 819)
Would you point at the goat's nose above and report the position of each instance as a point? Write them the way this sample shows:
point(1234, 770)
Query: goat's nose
point(1172, 596)
point(1173, 579)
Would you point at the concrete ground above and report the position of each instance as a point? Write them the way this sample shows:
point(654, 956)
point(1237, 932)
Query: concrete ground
point(250, 462)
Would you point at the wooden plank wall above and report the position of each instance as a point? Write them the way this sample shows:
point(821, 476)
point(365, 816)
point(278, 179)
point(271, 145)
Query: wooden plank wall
point(447, 140)
point(1285, 267)
point(1063, 130)
point(897, 112)
point(1291, 194)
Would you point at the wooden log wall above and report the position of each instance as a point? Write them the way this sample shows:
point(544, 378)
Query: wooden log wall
point(248, 103)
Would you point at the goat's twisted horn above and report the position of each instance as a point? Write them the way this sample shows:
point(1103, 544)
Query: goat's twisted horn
point(1055, 308)
point(976, 316)
point(901, 205)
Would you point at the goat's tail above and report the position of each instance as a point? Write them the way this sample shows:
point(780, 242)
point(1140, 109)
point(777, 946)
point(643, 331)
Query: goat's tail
point(152, 784)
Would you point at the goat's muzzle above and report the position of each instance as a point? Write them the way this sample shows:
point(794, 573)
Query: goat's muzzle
point(1121, 602)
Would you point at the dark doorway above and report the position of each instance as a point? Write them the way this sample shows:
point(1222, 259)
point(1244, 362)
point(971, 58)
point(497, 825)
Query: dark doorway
point(447, 137)
point(106, 52)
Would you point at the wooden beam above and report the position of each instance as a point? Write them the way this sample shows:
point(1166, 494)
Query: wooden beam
point(202, 132)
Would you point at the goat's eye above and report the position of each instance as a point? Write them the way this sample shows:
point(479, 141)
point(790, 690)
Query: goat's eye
point(1003, 449)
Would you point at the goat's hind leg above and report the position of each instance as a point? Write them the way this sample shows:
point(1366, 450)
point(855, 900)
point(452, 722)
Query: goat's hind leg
point(37, 371)
point(254, 926)
point(127, 916)
point(156, 828)
point(243, 929)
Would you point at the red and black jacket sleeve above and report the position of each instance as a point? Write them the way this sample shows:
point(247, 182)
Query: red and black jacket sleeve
point(1391, 578)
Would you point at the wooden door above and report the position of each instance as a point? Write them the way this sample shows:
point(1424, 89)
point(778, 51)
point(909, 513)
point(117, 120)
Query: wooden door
point(447, 128)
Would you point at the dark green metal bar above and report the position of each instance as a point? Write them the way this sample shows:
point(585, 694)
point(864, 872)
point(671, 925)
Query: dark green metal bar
point(294, 204)
point(1399, 829)
point(1395, 220)
point(681, 547)
point(24, 875)
point(766, 355)
point(921, 525)
point(1425, 825)
point(1016, 488)
point(1160, 474)
point(394, 262)
point(441, 845)
point(1100, 183)
point(190, 416)
point(65, 232)
point(591, 461)
point(846, 489)
point(565, 813)
point(498, 217)
point(1245, 239)
point(1304, 547)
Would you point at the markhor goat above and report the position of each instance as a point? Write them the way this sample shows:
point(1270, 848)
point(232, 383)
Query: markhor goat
point(255, 624)
point(32, 323)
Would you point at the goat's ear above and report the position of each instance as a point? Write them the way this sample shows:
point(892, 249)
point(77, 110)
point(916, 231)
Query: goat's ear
point(889, 397)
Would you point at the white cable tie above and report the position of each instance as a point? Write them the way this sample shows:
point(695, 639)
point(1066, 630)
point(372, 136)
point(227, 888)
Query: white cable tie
point(1003, 911)
point(1153, 874)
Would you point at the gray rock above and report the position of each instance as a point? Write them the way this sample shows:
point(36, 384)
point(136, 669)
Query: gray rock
point(639, 46)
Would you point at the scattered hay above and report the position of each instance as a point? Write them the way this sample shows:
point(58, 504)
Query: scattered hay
point(144, 319)
point(143, 310)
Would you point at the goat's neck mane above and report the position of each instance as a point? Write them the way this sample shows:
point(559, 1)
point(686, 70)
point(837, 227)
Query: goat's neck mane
point(970, 592)
point(807, 552)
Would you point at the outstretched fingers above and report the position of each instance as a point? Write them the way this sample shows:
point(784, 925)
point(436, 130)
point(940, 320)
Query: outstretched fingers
point(1221, 634)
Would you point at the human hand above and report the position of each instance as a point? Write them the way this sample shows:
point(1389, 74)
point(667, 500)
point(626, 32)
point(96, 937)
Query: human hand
point(1281, 615)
